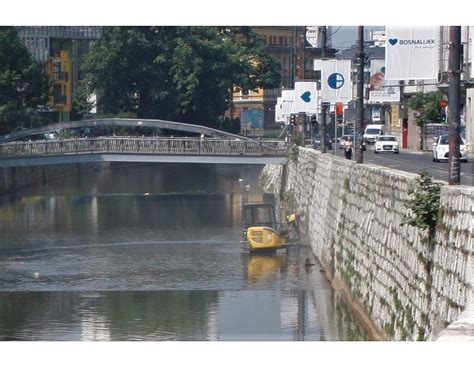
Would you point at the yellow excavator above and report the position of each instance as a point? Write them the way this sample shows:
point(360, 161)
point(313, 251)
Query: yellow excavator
point(260, 232)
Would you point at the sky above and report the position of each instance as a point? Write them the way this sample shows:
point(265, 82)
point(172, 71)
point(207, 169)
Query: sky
point(346, 36)
point(242, 12)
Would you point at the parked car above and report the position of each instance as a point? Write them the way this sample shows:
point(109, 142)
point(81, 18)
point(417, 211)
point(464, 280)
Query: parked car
point(317, 141)
point(441, 149)
point(386, 143)
point(342, 141)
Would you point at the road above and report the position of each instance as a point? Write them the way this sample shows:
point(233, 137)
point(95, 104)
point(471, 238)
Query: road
point(415, 162)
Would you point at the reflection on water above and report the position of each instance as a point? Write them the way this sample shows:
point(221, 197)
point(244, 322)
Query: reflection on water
point(152, 253)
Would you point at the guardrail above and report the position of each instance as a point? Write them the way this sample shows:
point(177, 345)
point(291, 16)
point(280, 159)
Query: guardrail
point(160, 146)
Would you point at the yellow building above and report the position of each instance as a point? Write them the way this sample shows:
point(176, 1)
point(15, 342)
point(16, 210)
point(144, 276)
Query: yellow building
point(59, 68)
point(61, 49)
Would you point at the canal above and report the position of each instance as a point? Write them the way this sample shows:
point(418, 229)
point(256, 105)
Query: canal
point(152, 253)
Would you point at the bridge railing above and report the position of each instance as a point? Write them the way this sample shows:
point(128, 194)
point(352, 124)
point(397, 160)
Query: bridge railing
point(165, 146)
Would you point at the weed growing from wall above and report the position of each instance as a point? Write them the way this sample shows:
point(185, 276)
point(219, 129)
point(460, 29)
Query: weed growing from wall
point(424, 204)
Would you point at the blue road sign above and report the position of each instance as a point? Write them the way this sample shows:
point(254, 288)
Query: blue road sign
point(335, 80)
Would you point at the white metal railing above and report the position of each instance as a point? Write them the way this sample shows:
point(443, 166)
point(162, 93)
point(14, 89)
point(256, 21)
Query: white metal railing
point(161, 146)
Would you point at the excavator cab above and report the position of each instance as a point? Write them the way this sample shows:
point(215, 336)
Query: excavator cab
point(260, 231)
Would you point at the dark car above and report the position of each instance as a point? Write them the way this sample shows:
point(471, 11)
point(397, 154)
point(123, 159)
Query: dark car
point(317, 141)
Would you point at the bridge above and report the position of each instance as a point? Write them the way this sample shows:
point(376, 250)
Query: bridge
point(145, 149)
point(115, 122)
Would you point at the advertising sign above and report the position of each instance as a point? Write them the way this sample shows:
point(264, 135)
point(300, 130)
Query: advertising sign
point(336, 82)
point(278, 111)
point(377, 74)
point(306, 98)
point(412, 53)
point(376, 114)
point(312, 35)
point(251, 121)
point(378, 92)
point(386, 95)
point(287, 96)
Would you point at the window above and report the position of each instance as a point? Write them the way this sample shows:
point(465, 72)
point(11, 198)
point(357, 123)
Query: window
point(57, 94)
point(56, 70)
point(387, 139)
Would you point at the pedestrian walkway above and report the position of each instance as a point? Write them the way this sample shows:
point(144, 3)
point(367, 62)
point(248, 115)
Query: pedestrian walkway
point(462, 329)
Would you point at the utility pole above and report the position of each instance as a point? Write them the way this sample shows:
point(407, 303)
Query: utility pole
point(293, 58)
point(322, 125)
point(454, 92)
point(359, 155)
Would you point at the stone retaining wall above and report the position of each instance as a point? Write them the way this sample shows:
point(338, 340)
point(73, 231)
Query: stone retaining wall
point(352, 215)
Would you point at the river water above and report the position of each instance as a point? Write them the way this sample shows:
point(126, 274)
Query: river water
point(152, 253)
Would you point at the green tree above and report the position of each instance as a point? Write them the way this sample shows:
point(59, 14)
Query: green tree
point(177, 73)
point(81, 103)
point(23, 84)
point(428, 107)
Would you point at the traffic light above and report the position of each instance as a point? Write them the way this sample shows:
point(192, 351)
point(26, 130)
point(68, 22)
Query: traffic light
point(293, 119)
point(313, 120)
point(441, 116)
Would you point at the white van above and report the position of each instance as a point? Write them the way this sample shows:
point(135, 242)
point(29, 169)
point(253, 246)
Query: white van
point(372, 131)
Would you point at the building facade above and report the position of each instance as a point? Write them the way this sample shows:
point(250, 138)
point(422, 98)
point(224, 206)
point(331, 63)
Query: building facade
point(62, 50)
point(288, 45)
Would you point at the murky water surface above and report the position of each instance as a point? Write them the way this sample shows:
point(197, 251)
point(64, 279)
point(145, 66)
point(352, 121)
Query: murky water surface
point(152, 253)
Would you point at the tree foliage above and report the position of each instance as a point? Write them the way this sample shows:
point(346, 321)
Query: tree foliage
point(23, 84)
point(177, 73)
point(428, 107)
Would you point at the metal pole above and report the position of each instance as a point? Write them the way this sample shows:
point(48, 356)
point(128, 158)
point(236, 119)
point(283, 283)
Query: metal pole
point(322, 125)
point(343, 121)
point(454, 92)
point(360, 97)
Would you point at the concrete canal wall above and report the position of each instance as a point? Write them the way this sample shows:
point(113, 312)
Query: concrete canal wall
point(352, 215)
point(15, 178)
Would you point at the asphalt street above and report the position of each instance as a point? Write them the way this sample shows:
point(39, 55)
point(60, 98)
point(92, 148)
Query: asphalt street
point(415, 162)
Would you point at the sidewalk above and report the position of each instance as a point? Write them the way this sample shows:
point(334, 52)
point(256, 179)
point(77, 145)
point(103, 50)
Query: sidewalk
point(462, 329)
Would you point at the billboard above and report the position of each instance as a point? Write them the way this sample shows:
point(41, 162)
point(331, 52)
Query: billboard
point(251, 121)
point(279, 118)
point(336, 81)
point(412, 53)
point(287, 96)
point(306, 98)
point(379, 92)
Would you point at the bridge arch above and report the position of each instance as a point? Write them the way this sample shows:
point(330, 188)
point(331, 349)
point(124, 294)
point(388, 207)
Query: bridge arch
point(150, 123)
